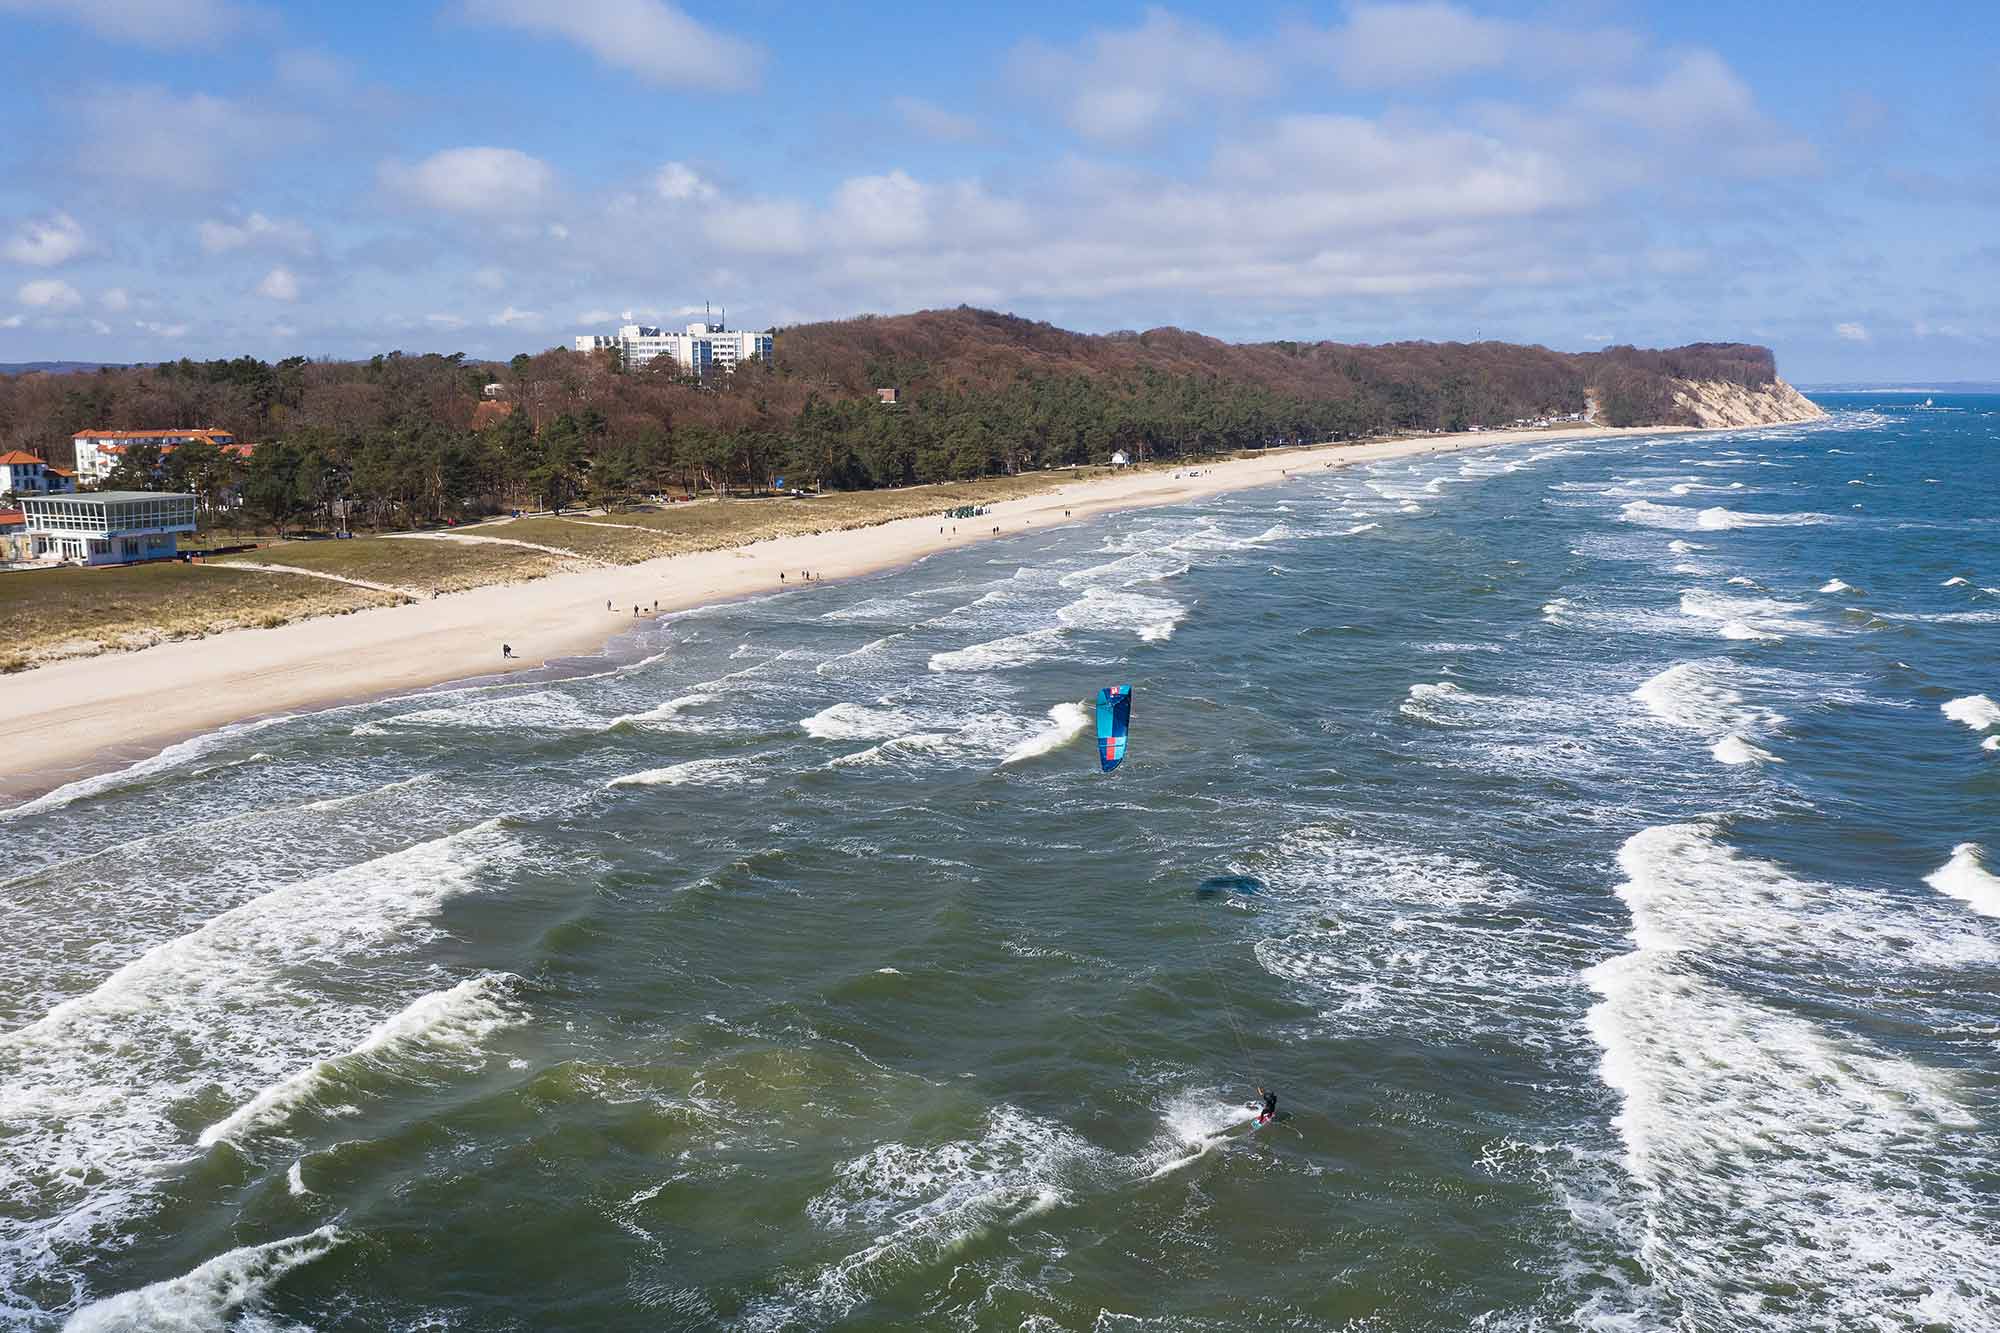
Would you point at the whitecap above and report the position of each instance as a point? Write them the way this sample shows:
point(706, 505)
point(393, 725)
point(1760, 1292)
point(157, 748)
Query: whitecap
point(1974, 710)
point(208, 1299)
point(850, 722)
point(730, 772)
point(447, 1023)
point(1966, 878)
point(1067, 721)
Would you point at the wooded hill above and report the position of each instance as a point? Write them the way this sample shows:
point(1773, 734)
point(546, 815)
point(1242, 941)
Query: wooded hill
point(409, 438)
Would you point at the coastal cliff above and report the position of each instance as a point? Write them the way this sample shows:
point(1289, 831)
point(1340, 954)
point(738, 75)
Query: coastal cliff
point(1720, 403)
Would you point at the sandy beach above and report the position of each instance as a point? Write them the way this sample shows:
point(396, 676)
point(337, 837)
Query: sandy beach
point(69, 720)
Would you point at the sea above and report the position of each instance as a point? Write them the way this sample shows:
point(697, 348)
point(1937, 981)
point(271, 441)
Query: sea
point(1608, 833)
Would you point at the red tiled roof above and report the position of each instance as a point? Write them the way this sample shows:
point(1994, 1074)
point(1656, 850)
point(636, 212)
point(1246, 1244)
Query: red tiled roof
point(13, 518)
point(16, 457)
point(61, 471)
point(149, 434)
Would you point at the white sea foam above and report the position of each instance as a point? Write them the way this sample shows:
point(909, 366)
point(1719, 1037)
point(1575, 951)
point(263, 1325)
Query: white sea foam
point(1719, 519)
point(1966, 878)
point(209, 1299)
point(1699, 697)
point(1657, 515)
point(914, 1205)
point(856, 658)
point(1151, 618)
point(541, 710)
point(1733, 749)
point(1358, 529)
point(218, 1009)
point(1974, 710)
point(1442, 703)
point(999, 654)
point(1386, 937)
point(443, 1025)
point(735, 771)
point(1764, 619)
point(1680, 547)
point(1957, 582)
point(1066, 723)
point(668, 713)
point(295, 1179)
point(1833, 1149)
point(1836, 585)
point(182, 752)
point(850, 722)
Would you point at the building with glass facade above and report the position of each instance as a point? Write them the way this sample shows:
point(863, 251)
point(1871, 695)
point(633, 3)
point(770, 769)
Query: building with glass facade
point(107, 527)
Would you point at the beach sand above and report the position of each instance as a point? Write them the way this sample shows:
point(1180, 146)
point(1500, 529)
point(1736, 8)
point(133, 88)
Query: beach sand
point(72, 719)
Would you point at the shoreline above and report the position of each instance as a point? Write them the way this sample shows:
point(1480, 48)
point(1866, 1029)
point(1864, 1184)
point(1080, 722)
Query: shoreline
point(132, 705)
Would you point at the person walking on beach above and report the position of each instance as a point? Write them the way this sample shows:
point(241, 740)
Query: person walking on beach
point(506, 651)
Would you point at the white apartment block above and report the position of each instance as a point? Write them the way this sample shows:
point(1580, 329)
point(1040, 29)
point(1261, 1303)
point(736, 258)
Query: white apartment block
point(98, 451)
point(21, 473)
point(700, 349)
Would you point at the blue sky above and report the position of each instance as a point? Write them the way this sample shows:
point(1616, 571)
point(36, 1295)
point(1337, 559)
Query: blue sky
point(212, 177)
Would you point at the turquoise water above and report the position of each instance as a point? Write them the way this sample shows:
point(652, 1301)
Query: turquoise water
point(1625, 956)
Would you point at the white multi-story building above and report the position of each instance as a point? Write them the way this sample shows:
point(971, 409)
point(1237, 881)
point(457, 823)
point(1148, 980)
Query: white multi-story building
point(98, 451)
point(699, 349)
point(108, 527)
point(21, 473)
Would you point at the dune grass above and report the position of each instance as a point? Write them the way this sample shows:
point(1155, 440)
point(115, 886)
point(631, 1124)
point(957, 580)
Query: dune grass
point(403, 562)
point(50, 614)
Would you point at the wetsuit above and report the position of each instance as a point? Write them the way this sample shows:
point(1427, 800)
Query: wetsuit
point(1270, 1112)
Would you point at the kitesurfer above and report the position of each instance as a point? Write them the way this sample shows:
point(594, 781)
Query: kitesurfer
point(1270, 1111)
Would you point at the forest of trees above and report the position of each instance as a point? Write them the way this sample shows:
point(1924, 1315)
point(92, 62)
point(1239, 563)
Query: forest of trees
point(402, 440)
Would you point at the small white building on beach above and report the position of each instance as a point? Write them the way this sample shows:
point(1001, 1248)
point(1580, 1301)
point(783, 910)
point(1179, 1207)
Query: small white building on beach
point(107, 527)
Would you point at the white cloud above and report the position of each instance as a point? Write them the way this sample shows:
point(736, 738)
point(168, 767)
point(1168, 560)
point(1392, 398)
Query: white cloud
point(115, 299)
point(1385, 46)
point(474, 181)
point(159, 330)
point(280, 284)
point(758, 226)
point(677, 182)
point(558, 232)
point(489, 277)
point(257, 232)
point(99, 327)
point(11, 322)
point(48, 294)
point(47, 242)
point(598, 317)
point(510, 317)
point(1131, 83)
point(1851, 332)
point(178, 141)
point(934, 122)
point(658, 41)
point(1698, 103)
point(445, 321)
point(1399, 46)
point(170, 23)
point(882, 211)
